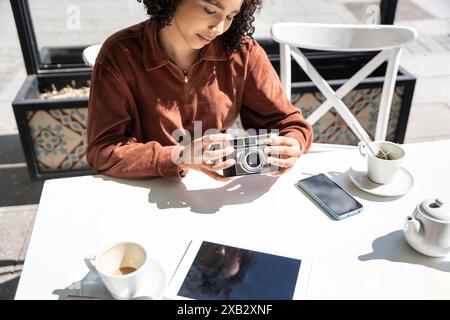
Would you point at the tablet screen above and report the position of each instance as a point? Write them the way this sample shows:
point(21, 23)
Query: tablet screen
point(221, 272)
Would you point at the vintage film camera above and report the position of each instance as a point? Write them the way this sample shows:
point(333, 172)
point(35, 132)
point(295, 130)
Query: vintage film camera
point(250, 156)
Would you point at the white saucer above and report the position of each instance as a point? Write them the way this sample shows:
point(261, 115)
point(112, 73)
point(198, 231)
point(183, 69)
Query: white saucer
point(401, 184)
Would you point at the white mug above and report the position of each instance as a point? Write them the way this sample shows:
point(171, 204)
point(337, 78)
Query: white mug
point(121, 268)
point(380, 170)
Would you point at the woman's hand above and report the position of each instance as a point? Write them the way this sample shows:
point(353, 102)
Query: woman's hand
point(198, 156)
point(287, 148)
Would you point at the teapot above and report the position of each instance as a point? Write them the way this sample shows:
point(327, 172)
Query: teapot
point(427, 230)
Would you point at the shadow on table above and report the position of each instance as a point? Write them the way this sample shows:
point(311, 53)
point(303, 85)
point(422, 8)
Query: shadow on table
point(167, 194)
point(89, 287)
point(393, 247)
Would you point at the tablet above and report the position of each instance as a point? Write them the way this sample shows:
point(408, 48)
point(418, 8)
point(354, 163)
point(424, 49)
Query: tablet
point(215, 271)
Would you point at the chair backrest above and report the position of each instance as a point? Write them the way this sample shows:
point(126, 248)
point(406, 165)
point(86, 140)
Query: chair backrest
point(342, 37)
point(90, 54)
point(346, 38)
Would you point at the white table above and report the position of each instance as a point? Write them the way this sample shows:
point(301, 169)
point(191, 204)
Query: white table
point(362, 257)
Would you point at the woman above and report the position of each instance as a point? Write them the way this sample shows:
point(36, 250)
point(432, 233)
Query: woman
point(194, 62)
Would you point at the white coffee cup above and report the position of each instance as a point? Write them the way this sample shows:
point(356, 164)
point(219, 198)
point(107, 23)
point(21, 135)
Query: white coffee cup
point(121, 268)
point(380, 170)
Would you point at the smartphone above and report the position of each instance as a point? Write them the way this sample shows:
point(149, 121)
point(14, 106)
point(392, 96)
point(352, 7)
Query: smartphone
point(330, 196)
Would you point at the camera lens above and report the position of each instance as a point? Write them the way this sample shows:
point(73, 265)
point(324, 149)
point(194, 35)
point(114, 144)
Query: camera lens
point(253, 160)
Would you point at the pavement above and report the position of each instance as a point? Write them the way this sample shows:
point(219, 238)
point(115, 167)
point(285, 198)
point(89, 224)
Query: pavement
point(428, 59)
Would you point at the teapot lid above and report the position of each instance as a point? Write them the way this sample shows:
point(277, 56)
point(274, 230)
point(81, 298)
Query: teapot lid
point(438, 208)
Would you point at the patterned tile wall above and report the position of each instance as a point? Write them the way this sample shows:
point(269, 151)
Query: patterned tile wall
point(59, 138)
point(363, 103)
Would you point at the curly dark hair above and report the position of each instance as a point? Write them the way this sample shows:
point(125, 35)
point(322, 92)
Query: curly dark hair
point(162, 12)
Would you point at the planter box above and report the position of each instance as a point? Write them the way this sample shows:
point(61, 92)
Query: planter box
point(53, 132)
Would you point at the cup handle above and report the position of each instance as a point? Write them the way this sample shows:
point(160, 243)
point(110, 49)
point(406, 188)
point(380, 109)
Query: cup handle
point(89, 259)
point(362, 148)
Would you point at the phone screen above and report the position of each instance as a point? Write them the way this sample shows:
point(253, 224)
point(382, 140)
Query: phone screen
point(329, 193)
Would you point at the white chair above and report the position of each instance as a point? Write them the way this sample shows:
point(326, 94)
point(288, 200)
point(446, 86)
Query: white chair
point(388, 39)
point(90, 54)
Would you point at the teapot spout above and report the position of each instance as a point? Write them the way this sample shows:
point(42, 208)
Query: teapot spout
point(414, 231)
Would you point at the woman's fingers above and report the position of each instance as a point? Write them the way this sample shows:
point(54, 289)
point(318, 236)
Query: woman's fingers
point(288, 150)
point(215, 138)
point(210, 170)
point(217, 154)
point(283, 150)
point(284, 163)
point(223, 165)
point(279, 140)
point(214, 175)
point(279, 172)
point(219, 166)
point(206, 148)
point(285, 141)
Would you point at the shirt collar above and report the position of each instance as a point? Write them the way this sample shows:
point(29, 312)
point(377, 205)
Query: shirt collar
point(154, 56)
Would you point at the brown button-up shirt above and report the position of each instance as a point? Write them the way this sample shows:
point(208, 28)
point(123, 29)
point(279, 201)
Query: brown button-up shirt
point(139, 98)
